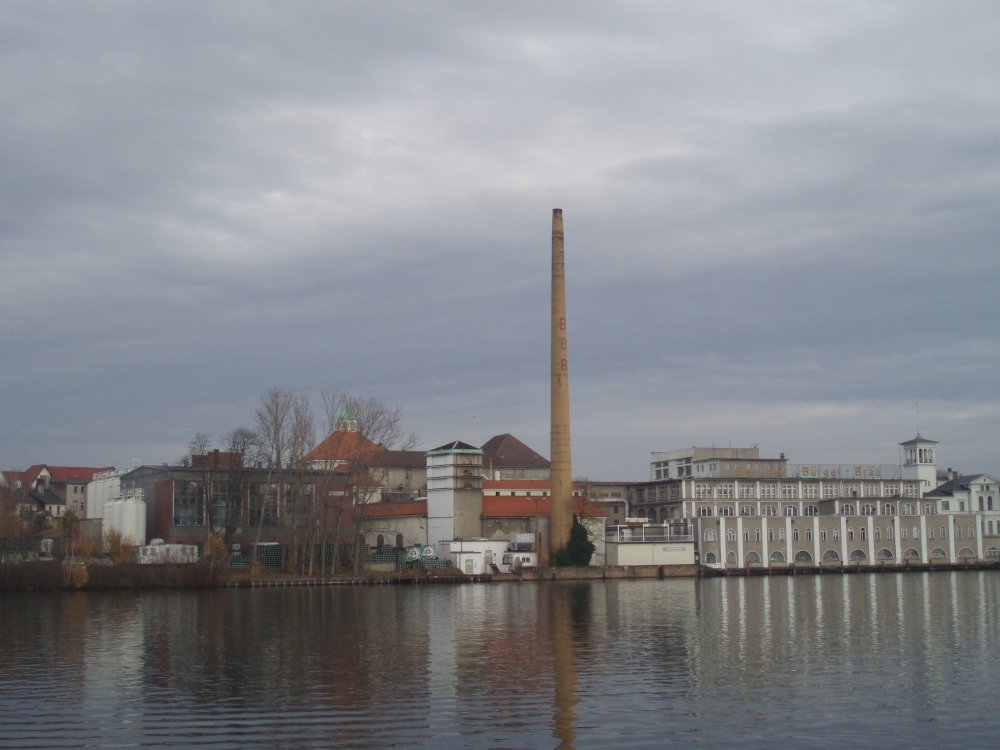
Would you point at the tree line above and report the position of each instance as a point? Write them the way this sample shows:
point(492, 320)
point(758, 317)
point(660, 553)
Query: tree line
point(282, 433)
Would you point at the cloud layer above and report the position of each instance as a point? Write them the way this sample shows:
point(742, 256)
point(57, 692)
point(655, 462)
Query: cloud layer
point(781, 222)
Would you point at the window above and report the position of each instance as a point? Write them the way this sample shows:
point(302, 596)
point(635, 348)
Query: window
point(710, 558)
point(916, 532)
point(725, 510)
point(902, 532)
point(930, 532)
point(748, 510)
point(871, 490)
point(795, 535)
point(746, 535)
point(892, 490)
point(864, 533)
point(836, 535)
point(710, 535)
point(756, 535)
point(809, 534)
point(768, 489)
point(791, 510)
point(850, 534)
point(730, 535)
point(888, 509)
point(847, 509)
point(789, 491)
point(702, 490)
point(704, 510)
point(770, 535)
point(868, 509)
point(812, 510)
point(972, 532)
point(907, 509)
point(929, 509)
point(890, 533)
point(822, 535)
point(768, 510)
point(878, 533)
point(724, 490)
point(748, 489)
point(958, 532)
point(810, 491)
point(830, 489)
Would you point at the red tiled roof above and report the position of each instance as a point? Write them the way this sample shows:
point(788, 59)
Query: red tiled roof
point(81, 474)
point(395, 510)
point(507, 450)
point(519, 506)
point(343, 446)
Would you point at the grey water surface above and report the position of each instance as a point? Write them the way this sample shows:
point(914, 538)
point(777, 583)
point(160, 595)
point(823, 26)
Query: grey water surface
point(863, 660)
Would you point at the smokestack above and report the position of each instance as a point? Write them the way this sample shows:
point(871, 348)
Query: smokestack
point(561, 522)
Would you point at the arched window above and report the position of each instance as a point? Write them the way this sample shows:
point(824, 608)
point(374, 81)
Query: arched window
point(730, 535)
point(929, 509)
point(770, 535)
point(982, 505)
point(916, 532)
point(399, 541)
point(884, 554)
point(993, 553)
point(704, 510)
point(746, 535)
point(831, 556)
point(936, 554)
point(972, 532)
point(768, 510)
point(822, 535)
point(781, 534)
point(710, 535)
point(847, 509)
point(958, 532)
point(812, 510)
point(725, 510)
point(731, 557)
point(791, 510)
point(864, 533)
point(912, 554)
point(748, 510)
point(777, 557)
point(868, 509)
point(858, 555)
point(888, 509)
point(803, 557)
point(965, 554)
point(809, 533)
point(795, 535)
point(753, 558)
point(850, 534)
point(878, 533)
point(380, 541)
point(907, 509)
point(989, 502)
point(711, 558)
point(836, 534)
point(890, 533)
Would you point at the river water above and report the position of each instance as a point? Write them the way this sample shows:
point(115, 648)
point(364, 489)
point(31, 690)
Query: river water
point(862, 660)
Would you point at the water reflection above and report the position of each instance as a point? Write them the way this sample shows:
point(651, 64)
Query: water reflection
point(887, 658)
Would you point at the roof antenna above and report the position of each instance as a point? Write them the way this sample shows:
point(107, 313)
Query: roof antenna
point(916, 409)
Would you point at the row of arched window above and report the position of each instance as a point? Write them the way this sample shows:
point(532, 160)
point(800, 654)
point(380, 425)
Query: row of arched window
point(856, 555)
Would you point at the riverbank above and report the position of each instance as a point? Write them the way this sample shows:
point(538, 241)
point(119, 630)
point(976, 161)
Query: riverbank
point(55, 576)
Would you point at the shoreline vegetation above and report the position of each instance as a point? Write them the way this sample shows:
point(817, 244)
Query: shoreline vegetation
point(58, 576)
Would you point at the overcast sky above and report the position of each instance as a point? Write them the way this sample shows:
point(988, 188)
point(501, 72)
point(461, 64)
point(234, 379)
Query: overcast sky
point(782, 223)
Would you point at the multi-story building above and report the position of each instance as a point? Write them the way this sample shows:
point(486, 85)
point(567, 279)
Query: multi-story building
point(750, 511)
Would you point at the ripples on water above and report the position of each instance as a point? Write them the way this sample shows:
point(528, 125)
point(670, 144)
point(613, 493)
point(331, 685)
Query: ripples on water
point(807, 661)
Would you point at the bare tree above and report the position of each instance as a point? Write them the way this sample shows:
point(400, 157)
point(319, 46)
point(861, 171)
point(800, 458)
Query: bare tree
point(244, 448)
point(299, 494)
point(383, 425)
point(375, 419)
point(198, 450)
point(273, 417)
